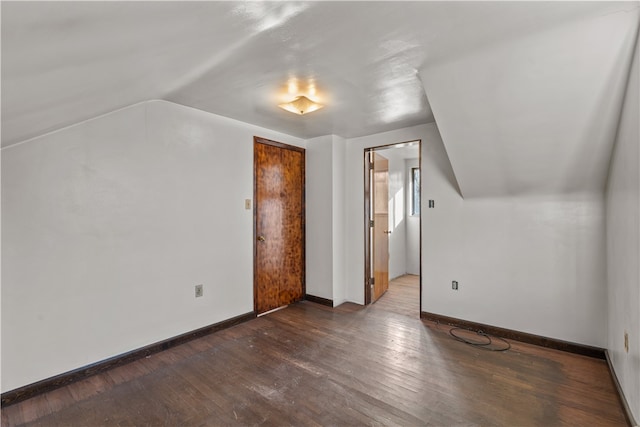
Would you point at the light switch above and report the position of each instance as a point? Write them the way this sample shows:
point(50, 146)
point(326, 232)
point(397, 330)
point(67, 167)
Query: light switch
point(247, 204)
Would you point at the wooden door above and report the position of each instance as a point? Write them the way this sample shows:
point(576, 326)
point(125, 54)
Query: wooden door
point(279, 254)
point(380, 215)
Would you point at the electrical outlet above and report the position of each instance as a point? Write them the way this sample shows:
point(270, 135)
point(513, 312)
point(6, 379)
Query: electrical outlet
point(626, 341)
point(199, 291)
point(454, 285)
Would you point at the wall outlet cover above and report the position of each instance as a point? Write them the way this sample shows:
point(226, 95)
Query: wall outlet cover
point(199, 291)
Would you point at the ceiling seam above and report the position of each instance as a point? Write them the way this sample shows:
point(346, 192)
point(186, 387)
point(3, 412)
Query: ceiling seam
point(51, 132)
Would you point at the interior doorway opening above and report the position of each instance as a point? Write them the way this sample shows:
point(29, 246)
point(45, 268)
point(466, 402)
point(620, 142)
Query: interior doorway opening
point(393, 225)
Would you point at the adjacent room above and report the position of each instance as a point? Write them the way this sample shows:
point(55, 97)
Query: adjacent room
point(320, 213)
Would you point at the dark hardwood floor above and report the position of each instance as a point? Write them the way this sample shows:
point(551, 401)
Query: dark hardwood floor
point(313, 365)
point(403, 296)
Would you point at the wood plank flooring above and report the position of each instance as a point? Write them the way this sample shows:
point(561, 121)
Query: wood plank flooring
point(403, 296)
point(313, 365)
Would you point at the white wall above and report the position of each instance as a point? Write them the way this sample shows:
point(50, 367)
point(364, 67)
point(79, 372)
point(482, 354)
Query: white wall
point(339, 220)
point(530, 264)
point(319, 216)
point(623, 245)
point(397, 212)
point(534, 264)
point(412, 223)
point(1, 376)
point(108, 226)
point(326, 264)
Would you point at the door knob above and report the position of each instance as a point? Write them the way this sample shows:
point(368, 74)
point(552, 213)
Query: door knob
point(261, 239)
point(387, 232)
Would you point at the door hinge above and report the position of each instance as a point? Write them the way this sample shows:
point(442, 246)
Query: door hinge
point(370, 223)
point(370, 165)
point(372, 281)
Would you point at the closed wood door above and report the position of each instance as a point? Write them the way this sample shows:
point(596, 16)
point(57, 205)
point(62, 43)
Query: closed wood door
point(279, 255)
point(380, 215)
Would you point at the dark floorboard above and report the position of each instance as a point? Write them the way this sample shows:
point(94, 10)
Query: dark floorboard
point(313, 365)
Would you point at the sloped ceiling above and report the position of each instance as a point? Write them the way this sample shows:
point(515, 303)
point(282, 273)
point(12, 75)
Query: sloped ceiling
point(64, 62)
point(536, 113)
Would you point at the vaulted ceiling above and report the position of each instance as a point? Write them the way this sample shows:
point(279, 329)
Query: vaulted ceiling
point(513, 85)
point(535, 114)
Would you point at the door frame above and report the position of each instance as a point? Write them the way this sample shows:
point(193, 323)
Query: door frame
point(367, 216)
point(260, 140)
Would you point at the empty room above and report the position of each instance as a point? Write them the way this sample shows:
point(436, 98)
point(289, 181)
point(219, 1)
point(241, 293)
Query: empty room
point(320, 213)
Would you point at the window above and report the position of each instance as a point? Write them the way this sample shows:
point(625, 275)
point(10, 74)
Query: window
point(415, 191)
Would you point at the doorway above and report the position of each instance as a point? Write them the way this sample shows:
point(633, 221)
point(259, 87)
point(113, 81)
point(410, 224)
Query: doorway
point(393, 223)
point(279, 224)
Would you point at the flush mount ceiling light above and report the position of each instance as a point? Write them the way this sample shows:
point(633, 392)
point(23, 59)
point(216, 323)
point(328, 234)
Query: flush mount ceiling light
point(301, 105)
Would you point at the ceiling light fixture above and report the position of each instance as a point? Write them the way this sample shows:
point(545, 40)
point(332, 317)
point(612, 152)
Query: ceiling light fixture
point(301, 105)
